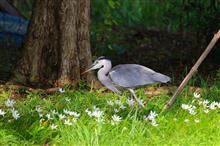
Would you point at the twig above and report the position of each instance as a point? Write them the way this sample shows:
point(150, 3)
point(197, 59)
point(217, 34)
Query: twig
point(193, 70)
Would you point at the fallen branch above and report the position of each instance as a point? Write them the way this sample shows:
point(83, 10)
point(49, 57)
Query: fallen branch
point(193, 70)
point(18, 91)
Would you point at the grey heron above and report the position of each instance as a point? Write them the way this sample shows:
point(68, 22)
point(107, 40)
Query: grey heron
point(125, 76)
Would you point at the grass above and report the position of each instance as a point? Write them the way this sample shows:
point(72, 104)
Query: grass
point(133, 129)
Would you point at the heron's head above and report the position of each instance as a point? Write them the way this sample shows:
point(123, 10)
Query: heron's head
point(99, 63)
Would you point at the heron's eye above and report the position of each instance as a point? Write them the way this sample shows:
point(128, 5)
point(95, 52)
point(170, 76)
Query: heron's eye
point(96, 62)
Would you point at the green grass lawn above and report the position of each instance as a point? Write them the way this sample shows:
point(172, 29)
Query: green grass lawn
point(70, 119)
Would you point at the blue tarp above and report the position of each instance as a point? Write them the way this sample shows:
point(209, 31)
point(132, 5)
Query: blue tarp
point(12, 28)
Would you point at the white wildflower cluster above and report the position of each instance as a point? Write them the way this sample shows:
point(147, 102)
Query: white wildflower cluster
point(152, 118)
point(198, 102)
point(190, 108)
point(9, 103)
point(71, 113)
point(99, 114)
point(207, 105)
point(96, 113)
point(117, 105)
point(67, 117)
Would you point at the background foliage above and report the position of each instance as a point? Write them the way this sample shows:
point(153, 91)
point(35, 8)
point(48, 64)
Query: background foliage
point(146, 31)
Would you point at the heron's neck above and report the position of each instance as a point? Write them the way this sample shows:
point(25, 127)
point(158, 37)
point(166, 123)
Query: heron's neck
point(103, 72)
point(105, 79)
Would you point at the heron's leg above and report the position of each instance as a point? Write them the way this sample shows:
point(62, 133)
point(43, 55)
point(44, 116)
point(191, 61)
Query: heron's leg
point(134, 95)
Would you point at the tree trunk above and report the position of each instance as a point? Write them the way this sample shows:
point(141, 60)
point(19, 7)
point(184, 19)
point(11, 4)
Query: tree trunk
point(57, 48)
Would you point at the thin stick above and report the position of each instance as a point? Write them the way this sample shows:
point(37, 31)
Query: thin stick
point(193, 70)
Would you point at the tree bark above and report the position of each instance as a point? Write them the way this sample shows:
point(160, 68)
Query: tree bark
point(57, 47)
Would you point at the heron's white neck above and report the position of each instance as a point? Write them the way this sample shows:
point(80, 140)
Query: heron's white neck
point(102, 73)
point(104, 78)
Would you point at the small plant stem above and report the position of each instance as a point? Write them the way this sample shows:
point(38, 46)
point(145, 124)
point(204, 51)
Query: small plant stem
point(192, 71)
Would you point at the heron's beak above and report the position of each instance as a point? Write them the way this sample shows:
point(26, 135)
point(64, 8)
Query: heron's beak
point(91, 68)
point(86, 71)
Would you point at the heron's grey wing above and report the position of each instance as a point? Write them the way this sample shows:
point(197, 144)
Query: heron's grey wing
point(133, 75)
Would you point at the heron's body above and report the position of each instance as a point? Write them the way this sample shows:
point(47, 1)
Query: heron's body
point(126, 76)
point(134, 75)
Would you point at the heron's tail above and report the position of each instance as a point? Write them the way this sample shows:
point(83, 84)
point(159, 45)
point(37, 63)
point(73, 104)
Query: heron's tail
point(161, 78)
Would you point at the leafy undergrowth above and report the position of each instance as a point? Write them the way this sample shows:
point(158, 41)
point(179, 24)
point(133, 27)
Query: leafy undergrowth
point(90, 118)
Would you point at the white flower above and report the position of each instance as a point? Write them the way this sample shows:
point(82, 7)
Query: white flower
point(61, 90)
point(42, 120)
point(196, 95)
point(131, 102)
point(200, 102)
point(61, 116)
point(15, 114)
point(205, 102)
point(213, 105)
point(196, 120)
point(88, 112)
point(38, 109)
point(118, 102)
point(154, 123)
point(2, 113)
point(75, 114)
point(66, 111)
point(110, 103)
point(9, 102)
point(97, 113)
point(74, 119)
point(53, 126)
point(40, 115)
point(115, 119)
point(54, 112)
point(49, 117)
point(193, 101)
point(122, 107)
point(206, 111)
point(67, 122)
point(67, 99)
point(186, 120)
point(71, 113)
point(186, 106)
point(116, 110)
point(190, 108)
point(218, 104)
point(192, 111)
point(152, 115)
point(124, 129)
